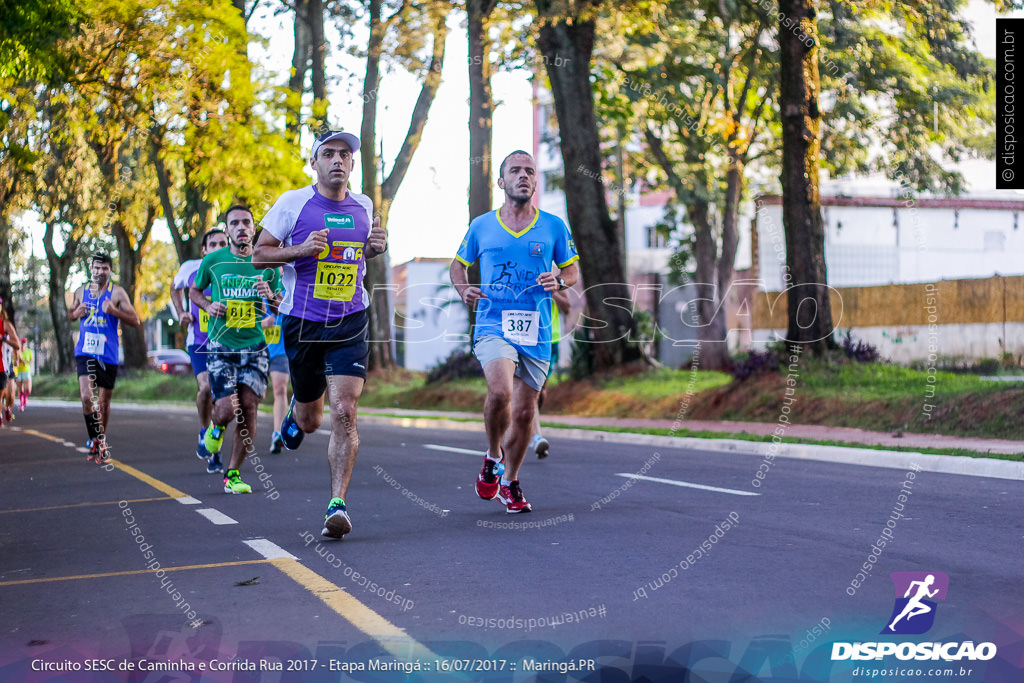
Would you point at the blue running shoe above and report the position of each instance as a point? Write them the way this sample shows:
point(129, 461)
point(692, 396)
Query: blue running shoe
point(201, 451)
point(291, 435)
point(214, 465)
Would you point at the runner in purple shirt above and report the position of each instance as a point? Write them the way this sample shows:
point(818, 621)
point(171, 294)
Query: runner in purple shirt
point(322, 235)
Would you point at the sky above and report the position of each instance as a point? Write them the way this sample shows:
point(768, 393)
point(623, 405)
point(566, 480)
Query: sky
point(430, 214)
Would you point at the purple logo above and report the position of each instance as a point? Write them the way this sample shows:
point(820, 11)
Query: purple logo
point(916, 593)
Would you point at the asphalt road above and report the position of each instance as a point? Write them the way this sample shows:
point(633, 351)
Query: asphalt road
point(607, 572)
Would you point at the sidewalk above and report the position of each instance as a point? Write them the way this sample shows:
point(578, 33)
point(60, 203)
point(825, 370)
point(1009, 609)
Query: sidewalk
point(793, 432)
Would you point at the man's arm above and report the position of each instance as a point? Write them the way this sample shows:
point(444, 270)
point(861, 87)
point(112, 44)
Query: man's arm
point(214, 308)
point(10, 336)
point(270, 254)
point(77, 310)
point(459, 274)
point(120, 306)
point(180, 307)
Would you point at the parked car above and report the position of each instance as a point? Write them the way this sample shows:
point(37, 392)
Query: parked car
point(170, 361)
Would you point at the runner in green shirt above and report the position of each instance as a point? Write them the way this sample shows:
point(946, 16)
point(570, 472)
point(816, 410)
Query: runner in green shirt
point(237, 358)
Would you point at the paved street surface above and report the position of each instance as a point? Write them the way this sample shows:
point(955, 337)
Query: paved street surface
point(147, 565)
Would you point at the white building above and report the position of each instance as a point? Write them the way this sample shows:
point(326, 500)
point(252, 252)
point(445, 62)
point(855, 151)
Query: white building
point(430, 319)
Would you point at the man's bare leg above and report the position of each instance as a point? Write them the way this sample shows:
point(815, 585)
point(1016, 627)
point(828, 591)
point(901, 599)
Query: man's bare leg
point(497, 406)
point(524, 408)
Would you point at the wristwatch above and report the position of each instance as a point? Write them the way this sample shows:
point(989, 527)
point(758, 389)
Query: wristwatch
point(561, 283)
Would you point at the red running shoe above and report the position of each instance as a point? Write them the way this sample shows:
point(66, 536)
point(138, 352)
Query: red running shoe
point(512, 497)
point(488, 480)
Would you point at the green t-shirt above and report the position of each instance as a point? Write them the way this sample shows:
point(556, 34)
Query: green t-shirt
point(232, 281)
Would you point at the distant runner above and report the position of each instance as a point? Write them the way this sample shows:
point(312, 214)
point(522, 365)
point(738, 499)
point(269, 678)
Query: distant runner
point(24, 371)
point(559, 307)
point(9, 345)
point(197, 322)
point(237, 357)
point(100, 306)
point(278, 375)
point(324, 234)
point(512, 340)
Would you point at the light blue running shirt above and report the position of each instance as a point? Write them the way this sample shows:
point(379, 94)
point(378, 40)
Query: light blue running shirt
point(516, 308)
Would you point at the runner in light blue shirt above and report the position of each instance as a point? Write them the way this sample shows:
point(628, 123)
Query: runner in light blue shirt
point(516, 246)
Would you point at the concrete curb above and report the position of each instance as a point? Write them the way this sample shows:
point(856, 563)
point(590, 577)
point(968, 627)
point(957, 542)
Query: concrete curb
point(867, 457)
point(842, 455)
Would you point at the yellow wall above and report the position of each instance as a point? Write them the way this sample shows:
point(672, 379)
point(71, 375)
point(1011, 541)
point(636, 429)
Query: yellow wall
point(956, 301)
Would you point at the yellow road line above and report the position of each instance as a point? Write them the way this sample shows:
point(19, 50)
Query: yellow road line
point(82, 505)
point(391, 638)
point(138, 571)
point(155, 483)
point(43, 436)
point(127, 469)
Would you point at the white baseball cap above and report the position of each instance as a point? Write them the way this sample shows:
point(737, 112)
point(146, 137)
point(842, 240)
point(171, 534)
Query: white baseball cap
point(351, 140)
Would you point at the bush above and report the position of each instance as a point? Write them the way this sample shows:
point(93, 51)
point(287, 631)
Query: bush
point(987, 366)
point(860, 351)
point(755, 362)
point(458, 365)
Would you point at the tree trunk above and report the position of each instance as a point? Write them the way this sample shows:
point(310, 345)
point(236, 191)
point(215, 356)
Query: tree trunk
point(301, 55)
point(378, 270)
point(567, 46)
point(376, 278)
point(5, 265)
point(318, 48)
point(481, 108)
point(809, 308)
point(59, 267)
point(129, 267)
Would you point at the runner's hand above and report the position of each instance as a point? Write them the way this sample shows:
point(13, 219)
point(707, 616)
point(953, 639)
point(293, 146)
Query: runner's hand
point(80, 312)
point(217, 309)
point(267, 322)
point(378, 237)
point(186, 319)
point(471, 294)
point(263, 287)
point(549, 281)
point(315, 242)
point(109, 307)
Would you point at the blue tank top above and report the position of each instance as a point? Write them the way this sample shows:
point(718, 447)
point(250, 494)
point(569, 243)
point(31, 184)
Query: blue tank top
point(97, 335)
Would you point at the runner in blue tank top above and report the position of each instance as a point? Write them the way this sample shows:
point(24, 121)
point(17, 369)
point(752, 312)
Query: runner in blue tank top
point(516, 246)
point(99, 306)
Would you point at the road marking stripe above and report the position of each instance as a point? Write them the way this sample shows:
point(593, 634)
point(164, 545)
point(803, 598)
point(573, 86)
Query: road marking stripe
point(130, 573)
point(390, 637)
point(216, 516)
point(188, 500)
point(452, 449)
point(155, 483)
point(44, 436)
point(687, 484)
point(81, 505)
point(268, 549)
point(128, 469)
